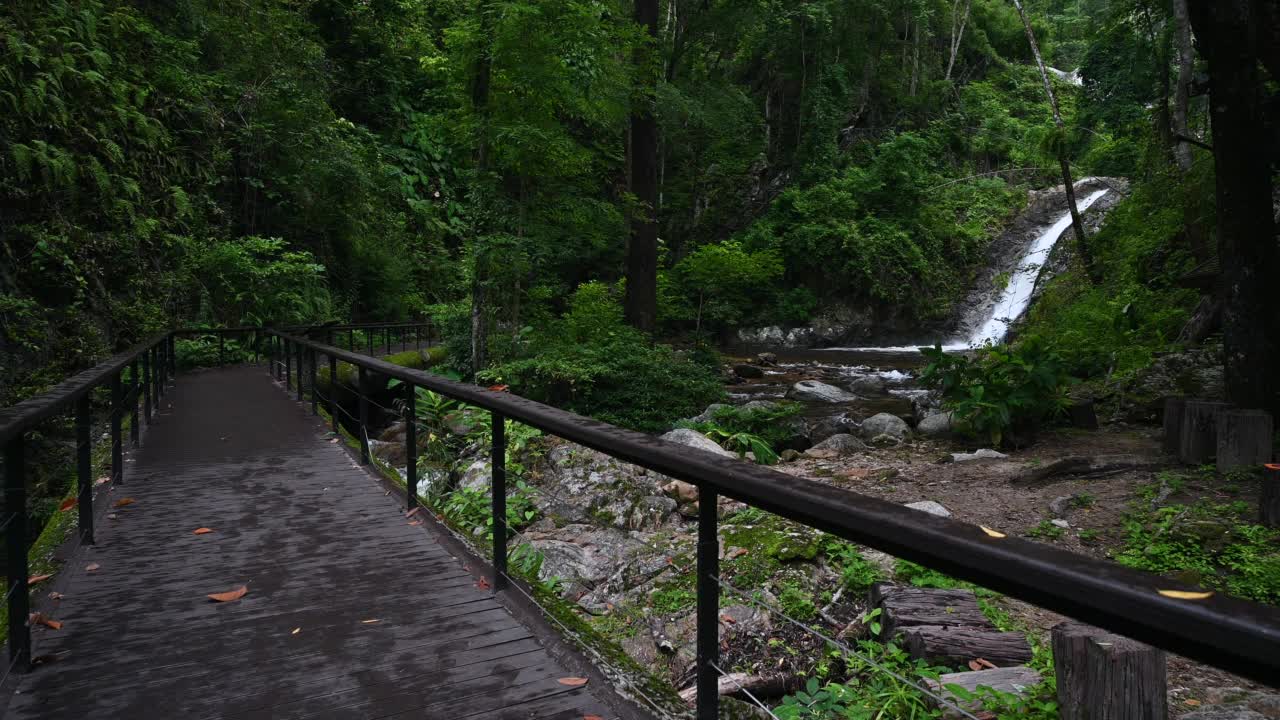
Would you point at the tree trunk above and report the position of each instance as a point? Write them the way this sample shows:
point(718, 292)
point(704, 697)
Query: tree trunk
point(480, 105)
point(1174, 407)
point(641, 305)
point(1082, 240)
point(958, 21)
point(1228, 35)
point(1182, 92)
point(1102, 676)
point(1269, 501)
point(1244, 438)
point(1199, 434)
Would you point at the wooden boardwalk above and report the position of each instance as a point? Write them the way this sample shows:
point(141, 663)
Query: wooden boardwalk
point(351, 611)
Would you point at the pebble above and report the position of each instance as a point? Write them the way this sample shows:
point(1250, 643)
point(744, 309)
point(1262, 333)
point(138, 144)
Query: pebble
point(931, 507)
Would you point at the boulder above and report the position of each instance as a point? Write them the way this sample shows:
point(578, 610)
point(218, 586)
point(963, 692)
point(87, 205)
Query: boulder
point(747, 372)
point(834, 425)
point(767, 359)
point(931, 507)
point(885, 424)
point(814, 391)
point(395, 433)
point(1060, 505)
point(835, 446)
point(769, 335)
point(709, 414)
point(579, 485)
point(935, 425)
point(695, 439)
point(476, 476)
point(869, 385)
point(391, 453)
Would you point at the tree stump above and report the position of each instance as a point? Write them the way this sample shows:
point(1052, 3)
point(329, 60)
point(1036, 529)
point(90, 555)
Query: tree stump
point(1084, 415)
point(1244, 438)
point(1198, 436)
point(1173, 407)
point(1269, 502)
point(1102, 676)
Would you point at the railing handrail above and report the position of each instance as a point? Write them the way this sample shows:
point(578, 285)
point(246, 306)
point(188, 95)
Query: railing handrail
point(1236, 635)
point(25, 415)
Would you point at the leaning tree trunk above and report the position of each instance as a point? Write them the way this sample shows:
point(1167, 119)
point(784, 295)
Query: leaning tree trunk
point(1229, 33)
point(958, 20)
point(641, 305)
point(1082, 240)
point(1182, 93)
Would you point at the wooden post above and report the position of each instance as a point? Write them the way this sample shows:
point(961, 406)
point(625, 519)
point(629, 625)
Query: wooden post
point(1244, 438)
point(1173, 408)
point(1269, 501)
point(1102, 676)
point(1199, 438)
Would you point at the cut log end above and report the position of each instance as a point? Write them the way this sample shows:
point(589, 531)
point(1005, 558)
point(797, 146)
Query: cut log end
point(1102, 676)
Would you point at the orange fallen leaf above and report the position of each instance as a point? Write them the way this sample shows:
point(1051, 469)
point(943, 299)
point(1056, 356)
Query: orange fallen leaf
point(1186, 594)
point(230, 595)
point(123, 502)
point(55, 596)
point(102, 480)
point(40, 619)
point(1273, 466)
point(973, 665)
point(1191, 701)
point(67, 504)
point(992, 533)
point(572, 681)
point(482, 584)
point(498, 388)
point(37, 579)
point(985, 663)
point(91, 567)
point(412, 512)
point(592, 717)
point(727, 620)
point(416, 522)
point(202, 531)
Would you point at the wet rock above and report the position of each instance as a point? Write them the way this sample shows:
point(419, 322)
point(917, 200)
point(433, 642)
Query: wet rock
point(834, 425)
point(1196, 372)
point(835, 446)
point(395, 433)
point(431, 479)
point(579, 485)
point(695, 439)
point(391, 453)
point(477, 476)
point(885, 424)
point(931, 507)
point(748, 372)
point(983, 454)
point(768, 335)
point(814, 391)
point(869, 385)
point(789, 455)
point(709, 414)
point(1227, 713)
point(767, 359)
point(935, 425)
point(924, 404)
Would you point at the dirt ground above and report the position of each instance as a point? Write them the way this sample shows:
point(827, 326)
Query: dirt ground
point(983, 492)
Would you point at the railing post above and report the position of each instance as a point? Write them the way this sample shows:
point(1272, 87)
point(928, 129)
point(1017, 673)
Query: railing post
point(387, 333)
point(364, 418)
point(288, 365)
point(411, 445)
point(84, 469)
point(351, 339)
point(708, 612)
point(134, 391)
point(311, 374)
point(117, 447)
point(368, 336)
point(173, 355)
point(257, 345)
point(160, 371)
point(15, 501)
point(498, 489)
point(146, 385)
point(221, 343)
point(298, 347)
point(333, 393)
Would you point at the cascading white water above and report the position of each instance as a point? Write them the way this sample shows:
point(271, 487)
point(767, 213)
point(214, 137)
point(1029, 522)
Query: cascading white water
point(1016, 295)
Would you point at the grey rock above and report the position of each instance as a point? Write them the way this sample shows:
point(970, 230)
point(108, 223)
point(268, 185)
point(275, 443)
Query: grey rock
point(1226, 713)
point(747, 372)
point(838, 444)
point(789, 455)
point(924, 404)
point(767, 359)
point(1059, 522)
point(709, 414)
point(935, 425)
point(429, 479)
point(769, 335)
point(931, 507)
point(834, 425)
point(869, 385)
point(1060, 505)
point(758, 405)
point(695, 439)
point(983, 454)
point(814, 391)
point(477, 476)
point(885, 424)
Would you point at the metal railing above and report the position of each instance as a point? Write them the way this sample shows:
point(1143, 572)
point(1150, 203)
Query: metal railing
point(136, 379)
point(1235, 635)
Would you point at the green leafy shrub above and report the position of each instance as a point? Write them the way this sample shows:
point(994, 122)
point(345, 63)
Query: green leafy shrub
point(770, 425)
point(999, 393)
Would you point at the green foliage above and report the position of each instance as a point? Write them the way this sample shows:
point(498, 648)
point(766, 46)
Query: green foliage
point(856, 573)
point(797, 602)
point(718, 286)
point(765, 427)
point(999, 389)
point(589, 362)
point(259, 281)
point(869, 693)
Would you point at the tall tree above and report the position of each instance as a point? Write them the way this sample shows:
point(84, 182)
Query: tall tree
point(1082, 240)
point(1233, 38)
point(1182, 93)
point(641, 306)
point(959, 18)
point(479, 257)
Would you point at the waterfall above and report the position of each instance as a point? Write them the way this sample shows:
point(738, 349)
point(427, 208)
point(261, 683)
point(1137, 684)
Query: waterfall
point(1016, 295)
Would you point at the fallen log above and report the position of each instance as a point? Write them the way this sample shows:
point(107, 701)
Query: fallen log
point(957, 646)
point(1085, 466)
point(903, 607)
point(739, 684)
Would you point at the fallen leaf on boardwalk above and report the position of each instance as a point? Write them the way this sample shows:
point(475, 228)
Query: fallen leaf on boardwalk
point(50, 658)
point(37, 578)
point(992, 533)
point(112, 516)
point(498, 388)
point(592, 717)
point(123, 502)
point(67, 504)
point(370, 621)
point(416, 522)
point(572, 681)
point(482, 584)
point(40, 619)
point(1186, 594)
point(103, 480)
point(230, 595)
point(333, 441)
point(202, 531)
point(296, 631)
point(91, 567)
point(412, 512)
point(55, 596)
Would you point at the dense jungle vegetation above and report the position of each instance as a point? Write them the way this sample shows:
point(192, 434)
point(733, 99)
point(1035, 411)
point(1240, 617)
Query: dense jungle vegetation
point(256, 162)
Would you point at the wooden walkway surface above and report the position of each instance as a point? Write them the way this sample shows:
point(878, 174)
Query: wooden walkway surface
point(351, 612)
